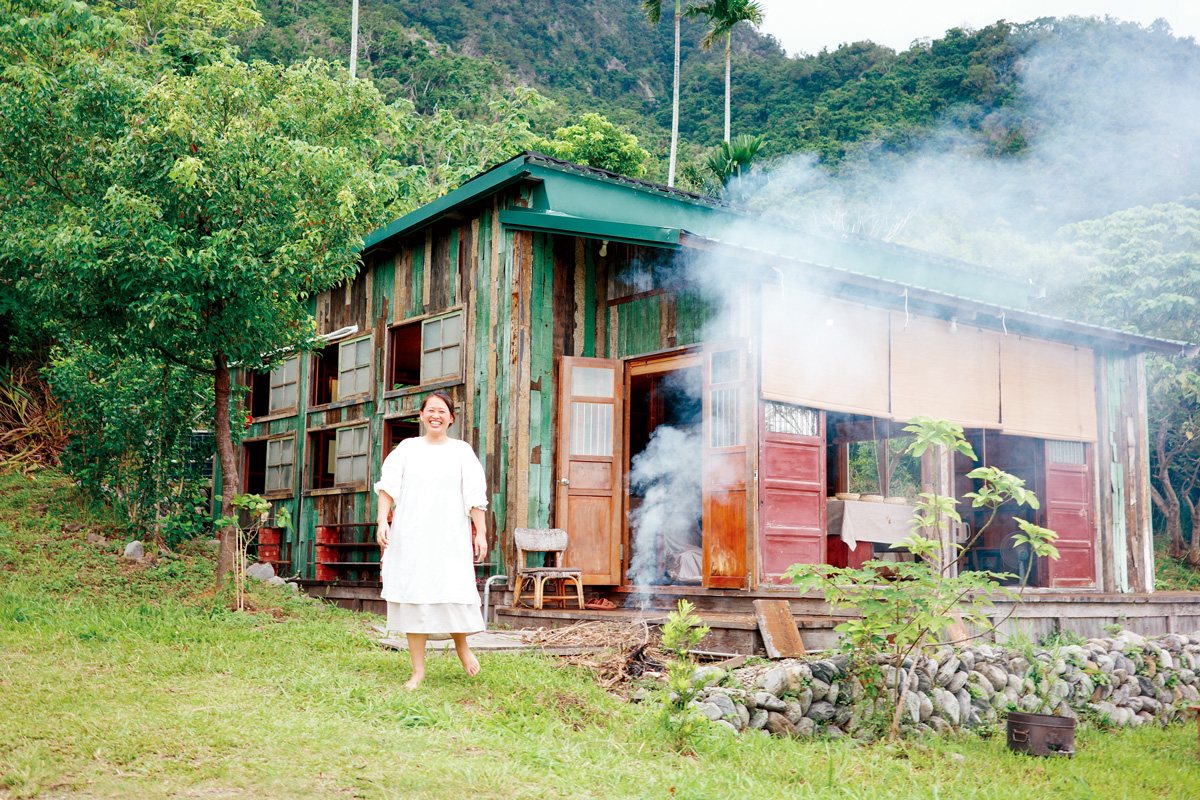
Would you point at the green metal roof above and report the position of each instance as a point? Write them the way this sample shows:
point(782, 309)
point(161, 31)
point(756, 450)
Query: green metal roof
point(591, 202)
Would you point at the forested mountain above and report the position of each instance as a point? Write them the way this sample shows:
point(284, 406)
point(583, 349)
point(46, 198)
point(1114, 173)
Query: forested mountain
point(602, 55)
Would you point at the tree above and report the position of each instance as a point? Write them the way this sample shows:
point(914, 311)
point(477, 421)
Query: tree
point(653, 9)
point(727, 161)
point(1145, 278)
point(596, 142)
point(188, 216)
point(723, 16)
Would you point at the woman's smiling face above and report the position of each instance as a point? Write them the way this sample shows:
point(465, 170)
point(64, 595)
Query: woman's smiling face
point(436, 415)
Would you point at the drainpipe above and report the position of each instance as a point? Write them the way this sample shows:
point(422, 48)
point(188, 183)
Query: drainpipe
point(487, 590)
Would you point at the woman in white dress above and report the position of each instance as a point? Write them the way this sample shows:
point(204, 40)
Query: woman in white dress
point(439, 494)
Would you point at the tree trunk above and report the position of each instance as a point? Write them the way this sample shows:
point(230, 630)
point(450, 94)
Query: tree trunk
point(1166, 498)
point(675, 103)
point(728, 40)
point(222, 391)
point(1193, 554)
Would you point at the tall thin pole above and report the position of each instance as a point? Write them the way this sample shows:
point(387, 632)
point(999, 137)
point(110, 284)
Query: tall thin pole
point(354, 39)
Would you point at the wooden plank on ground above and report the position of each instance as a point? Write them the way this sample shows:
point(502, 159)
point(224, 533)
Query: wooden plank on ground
point(779, 632)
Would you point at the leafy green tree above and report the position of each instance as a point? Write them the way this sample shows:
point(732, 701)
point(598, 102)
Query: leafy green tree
point(1146, 279)
point(730, 158)
point(653, 9)
point(723, 16)
point(596, 142)
point(189, 216)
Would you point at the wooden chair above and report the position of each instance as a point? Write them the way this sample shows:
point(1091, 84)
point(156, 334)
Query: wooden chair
point(552, 542)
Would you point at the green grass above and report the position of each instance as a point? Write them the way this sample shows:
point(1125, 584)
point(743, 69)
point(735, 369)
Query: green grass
point(1171, 575)
point(120, 681)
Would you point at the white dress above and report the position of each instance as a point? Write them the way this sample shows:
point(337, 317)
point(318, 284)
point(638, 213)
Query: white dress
point(427, 568)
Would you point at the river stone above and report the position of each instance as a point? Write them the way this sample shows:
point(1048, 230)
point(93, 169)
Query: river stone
point(925, 709)
point(946, 671)
point(946, 704)
point(1147, 688)
point(805, 699)
point(997, 676)
point(819, 688)
point(1018, 666)
point(1173, 642)
point(768, 701)
point(968, 659)
point(1134, 704)
point(793, 710)
point(831, 696)
point(260, 572)
point(774, 681)
point(710, 710)
point(743, 717)
point(779, 725)
point(805, 727)
point(842, 716)
point(759, 720)
point(134, 551)
point(1190, 693)
point(981, 683)
point(841, 663)
point(724, 703)
point(957, 682)
point(707, 676)
point(1164, 660)
point(964, 705)
point(725, 725)
point(820, 711)
point(275, 580)
point(912, 706)
point(1187, 676)
point(824, 671)
point(1128, 640)
point(798, 675)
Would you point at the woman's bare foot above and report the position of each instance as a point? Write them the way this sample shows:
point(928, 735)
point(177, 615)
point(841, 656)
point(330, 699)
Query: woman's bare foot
point(413, 683)
point(469, 661)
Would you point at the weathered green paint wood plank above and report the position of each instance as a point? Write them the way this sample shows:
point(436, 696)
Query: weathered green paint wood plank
point(416, 304)
point(692, 315)
point(1115, 376)
point(544, 365)
point(638, 327)
point(589, 306)
point(452, 279)
point(483, 334)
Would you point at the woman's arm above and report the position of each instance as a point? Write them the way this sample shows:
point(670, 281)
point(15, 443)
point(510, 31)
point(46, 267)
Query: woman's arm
point(381, 519)
point(480, 539)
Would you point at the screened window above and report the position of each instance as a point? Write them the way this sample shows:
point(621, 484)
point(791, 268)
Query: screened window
point(787, 418)
point(354, 368)
point(285, 381)
point(281, 460)
point(351, 463)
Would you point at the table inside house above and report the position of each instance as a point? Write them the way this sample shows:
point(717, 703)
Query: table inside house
point(857, 521)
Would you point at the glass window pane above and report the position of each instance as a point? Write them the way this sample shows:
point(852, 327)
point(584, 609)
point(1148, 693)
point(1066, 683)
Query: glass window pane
point(341, 473)
point(346, 357)
point(726, 417)
point(289, 395)
point(278, 376)
point(726, 366)
point(291, 370)
point(273, 452)
point(592, 381)
point(360, 440)
point(362, 380)
point(432, 336)
point(363, 354)
point(342, 441)
point(277, 401)
point(786, 418)
point(452, 330)
point(273, 477)
point(287, 451)
point(431, 366)
point(360, 468)
point(285, 476)
point(450, 356)
point(1065, 452)
point(591, 429)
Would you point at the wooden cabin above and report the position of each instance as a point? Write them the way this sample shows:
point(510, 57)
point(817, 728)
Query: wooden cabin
point(576, 315)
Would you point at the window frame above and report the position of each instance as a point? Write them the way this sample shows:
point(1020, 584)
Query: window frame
point(271, 386)
point(338, 456)
point(290, 487)
point(426, 383)
point(369, 366)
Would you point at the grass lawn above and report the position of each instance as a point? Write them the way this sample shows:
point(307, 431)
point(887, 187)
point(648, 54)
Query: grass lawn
point(137, 682)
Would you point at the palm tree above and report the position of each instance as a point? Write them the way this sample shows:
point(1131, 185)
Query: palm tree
point(727, 161)
point(723, 15)
point(653, 9)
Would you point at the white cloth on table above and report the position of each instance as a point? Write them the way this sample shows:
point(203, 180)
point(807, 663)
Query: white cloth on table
point(857, 521)
point(429, 558)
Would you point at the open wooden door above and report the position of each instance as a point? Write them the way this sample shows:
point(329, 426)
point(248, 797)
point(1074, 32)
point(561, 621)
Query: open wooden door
point(726, 429)
point(1067, 505)
point(589, 458)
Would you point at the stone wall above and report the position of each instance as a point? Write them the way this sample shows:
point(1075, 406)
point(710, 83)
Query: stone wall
point(1124, 681)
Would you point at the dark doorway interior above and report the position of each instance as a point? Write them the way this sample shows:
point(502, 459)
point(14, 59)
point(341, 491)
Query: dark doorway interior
point(665, 470)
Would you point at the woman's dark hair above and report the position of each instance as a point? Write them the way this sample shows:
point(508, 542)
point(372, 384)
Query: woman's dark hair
point(444, 397)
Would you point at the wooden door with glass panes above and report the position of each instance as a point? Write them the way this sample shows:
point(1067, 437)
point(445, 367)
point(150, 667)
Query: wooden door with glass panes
point(726, 431)
point(791, 491)
point(588, 500)
point(1067, 510)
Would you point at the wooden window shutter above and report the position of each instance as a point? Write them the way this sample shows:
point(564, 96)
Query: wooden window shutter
point(946, 373)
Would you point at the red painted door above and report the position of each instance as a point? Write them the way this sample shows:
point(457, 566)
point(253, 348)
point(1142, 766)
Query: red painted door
point(726, 430)
point(791, 488)
point(589, 457)
point(1067, 509)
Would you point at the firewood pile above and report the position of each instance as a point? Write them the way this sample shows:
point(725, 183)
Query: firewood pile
point(617, 652)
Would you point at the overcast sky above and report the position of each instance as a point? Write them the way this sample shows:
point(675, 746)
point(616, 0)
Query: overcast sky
point(808, 27)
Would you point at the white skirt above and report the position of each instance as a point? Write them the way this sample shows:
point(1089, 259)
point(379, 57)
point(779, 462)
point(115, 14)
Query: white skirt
point(439, 620)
